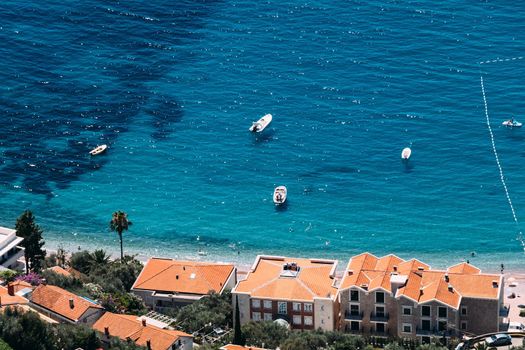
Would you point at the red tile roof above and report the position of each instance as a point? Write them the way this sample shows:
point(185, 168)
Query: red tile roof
point(61, 271)
point(6, 299)
point(238, 347)
point(422, 284)
point(58, 300)
point(315, 278)
point(131, 327)
point(190, 277)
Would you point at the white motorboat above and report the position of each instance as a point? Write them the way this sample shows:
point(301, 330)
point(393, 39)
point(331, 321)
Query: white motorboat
point(279, 194)
point(405, 154)
point(512, 123)
point(261, 124)
point(97, 150)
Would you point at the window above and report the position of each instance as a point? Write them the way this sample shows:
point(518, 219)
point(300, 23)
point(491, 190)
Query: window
point(268, 317)
point(256, 303)
point(297, 307)
point(425, 340)
point(380, 327)
point(407, 328)
point(308, 320)
point(354, 309)
point(442, 312)
point(256, 316)
point(380, 298)
point(425, 311)
point(282, 308)
point(407, 310)
point(380, 311)
point(463, 325)
point(308, 307)
point(425, 325)
point(354, 295)
point(442, 326)
point(463, 311)
point(354, 326)
point(267, 304)
point(297, 319)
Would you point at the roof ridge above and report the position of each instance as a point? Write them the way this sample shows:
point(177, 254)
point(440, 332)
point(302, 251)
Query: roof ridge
point(265, 284)
point(301, 282)
point(155, 275)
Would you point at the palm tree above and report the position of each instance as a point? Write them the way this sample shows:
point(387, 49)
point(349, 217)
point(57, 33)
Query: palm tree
point(98, 258)
point(120, 223)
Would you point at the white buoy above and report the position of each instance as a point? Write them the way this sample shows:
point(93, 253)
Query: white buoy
point(405, 154)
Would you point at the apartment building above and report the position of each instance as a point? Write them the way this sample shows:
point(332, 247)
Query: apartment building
point(389, 296)
point(10, 249)
point(167, 283)
point(299, 293)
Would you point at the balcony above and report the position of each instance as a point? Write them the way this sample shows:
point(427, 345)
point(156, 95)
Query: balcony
point(353, 316)
point(379, 317)
point(434, 332)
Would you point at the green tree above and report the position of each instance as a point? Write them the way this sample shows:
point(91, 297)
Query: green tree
point(120, 223)
point(238, 338)
point(4, 345)
point(70, 337)
point(265, 334)
point(34, 254)
point(81, 261)
point(214, 310)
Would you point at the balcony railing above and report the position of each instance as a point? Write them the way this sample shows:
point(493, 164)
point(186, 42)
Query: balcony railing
point(353, 316)
point(435, 332)
point(379, 316)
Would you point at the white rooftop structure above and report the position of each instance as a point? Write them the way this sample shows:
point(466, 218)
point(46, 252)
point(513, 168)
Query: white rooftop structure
point(10, 250)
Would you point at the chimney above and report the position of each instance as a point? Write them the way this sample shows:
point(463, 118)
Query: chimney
point(177, 277)
point(450, 288)
point(364, 286)
point(446, 277)
point(143, 322)
point(106, 331)
point(184, 268)
point(350, 272)
point(0, 301)
point(420, 268)
point(44, 282)
point(420, 291)
point(71, 303)
point(148, 344)
point(395, 268)
point(11, 289)
point(494, 284)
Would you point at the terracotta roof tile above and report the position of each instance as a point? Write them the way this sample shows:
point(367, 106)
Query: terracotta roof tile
point(265, 280)
point(61, 271)
point(190, 277)
point(464, 268)
point(57, 300)
point(130, 326)
point(238, 347)
point(422, 285)
point(6, 299)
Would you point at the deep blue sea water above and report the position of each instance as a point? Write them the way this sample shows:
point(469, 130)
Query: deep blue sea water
point(172, 87)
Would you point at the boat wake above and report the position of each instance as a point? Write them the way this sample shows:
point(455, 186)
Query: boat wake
point(520, 237)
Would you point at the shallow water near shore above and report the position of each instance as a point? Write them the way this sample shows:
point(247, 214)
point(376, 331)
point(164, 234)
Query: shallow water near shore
point(173, 89)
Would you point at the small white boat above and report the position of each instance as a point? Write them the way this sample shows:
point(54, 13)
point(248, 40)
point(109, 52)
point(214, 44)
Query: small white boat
point(279, 194)
point(261, 124)
point(405, 154)
point(512, 123)
point(97, 150)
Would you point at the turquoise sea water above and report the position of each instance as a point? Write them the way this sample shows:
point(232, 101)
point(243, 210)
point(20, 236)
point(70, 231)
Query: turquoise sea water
point(172, 88)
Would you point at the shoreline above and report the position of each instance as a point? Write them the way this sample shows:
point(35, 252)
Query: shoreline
point(244, 265)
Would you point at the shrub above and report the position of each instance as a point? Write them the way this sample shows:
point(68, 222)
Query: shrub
point(33, 278)
point(214, 310)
